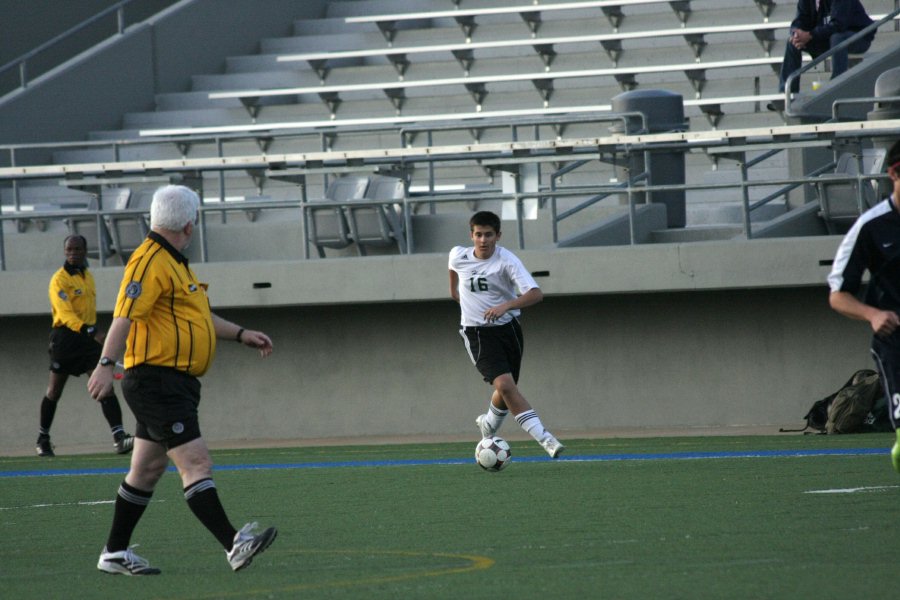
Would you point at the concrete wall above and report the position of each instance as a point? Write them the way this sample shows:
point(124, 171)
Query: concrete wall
point(704, 334)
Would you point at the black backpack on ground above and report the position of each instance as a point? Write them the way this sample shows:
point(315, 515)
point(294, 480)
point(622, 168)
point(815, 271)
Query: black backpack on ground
point(859, 406)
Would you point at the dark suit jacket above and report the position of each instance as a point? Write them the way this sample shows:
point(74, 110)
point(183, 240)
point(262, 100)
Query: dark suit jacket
point(833, 16)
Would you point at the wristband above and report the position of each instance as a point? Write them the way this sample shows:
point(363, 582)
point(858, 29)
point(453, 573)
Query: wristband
point(237, 338)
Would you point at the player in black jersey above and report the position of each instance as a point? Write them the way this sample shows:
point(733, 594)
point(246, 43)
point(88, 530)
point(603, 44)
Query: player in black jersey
point(873, 245)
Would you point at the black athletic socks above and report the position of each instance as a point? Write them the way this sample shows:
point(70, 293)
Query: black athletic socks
point(48, 411)
point(203, 500)
point(130, 505)
point(112, 411)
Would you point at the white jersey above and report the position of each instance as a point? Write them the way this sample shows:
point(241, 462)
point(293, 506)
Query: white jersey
point(486, 283)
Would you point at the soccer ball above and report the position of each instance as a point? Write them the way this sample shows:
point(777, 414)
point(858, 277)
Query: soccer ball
point(492, 454)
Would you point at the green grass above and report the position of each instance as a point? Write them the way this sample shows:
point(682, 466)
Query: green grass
point(662, 528)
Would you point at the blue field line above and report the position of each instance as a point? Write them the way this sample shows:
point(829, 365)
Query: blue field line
point(468, 461)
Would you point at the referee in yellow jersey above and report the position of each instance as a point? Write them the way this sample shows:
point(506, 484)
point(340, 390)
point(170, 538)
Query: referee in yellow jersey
point(165, 331)
point(74, 347)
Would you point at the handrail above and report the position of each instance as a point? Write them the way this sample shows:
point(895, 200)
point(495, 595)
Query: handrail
point(22, 61)
point(603, 190)
point(868, 100)
point(571, 150)
point(821, 58)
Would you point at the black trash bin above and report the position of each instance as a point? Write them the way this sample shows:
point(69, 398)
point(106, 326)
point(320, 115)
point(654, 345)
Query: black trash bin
point(663, 112)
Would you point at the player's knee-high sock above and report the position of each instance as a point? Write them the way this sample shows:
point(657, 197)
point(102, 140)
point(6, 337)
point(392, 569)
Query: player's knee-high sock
point(495, 416)
point(130, 505)
point(530, 422)
point(203, 499)
point(112, 411)
point(48, 411)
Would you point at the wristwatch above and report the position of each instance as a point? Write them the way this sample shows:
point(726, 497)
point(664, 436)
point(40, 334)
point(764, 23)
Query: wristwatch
point(106, 361)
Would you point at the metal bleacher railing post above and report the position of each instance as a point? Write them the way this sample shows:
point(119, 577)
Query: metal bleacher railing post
point(220, 154)
point(15, 183)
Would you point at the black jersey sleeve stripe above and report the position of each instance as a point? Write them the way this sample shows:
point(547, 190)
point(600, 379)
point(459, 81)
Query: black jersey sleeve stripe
point(138, 273)
point(190, 355)
point(850, 260)
point(177, 340)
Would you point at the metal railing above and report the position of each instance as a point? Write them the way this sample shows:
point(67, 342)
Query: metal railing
point(21, 64)
point(573, 153)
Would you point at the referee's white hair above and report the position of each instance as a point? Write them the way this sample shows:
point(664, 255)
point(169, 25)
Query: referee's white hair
point(173, 207)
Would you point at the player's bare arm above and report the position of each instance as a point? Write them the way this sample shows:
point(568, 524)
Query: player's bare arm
point(529, 298)
point(227, 330)
point(101, 381)
point(454, 286)
point(883, 322)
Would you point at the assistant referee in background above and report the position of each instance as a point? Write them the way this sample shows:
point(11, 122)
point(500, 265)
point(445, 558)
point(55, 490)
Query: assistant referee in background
point(75, 344)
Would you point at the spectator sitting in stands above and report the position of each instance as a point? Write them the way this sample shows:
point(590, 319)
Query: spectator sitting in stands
point(819, 26)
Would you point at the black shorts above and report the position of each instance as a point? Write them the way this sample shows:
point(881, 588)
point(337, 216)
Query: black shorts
point(72, 353)
point(164, 402)
point(495, 350)
point(886, 353)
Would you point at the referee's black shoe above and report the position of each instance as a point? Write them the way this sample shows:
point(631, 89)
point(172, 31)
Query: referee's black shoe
point(43, 446)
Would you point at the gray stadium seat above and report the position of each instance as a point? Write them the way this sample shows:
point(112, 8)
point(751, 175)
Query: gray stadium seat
point(328, 227)
point(839, 200)
point(380, 224)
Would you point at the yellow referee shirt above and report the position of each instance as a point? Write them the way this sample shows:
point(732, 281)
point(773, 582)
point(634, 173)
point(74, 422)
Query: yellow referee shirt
point(73, 298)
point(171, 319)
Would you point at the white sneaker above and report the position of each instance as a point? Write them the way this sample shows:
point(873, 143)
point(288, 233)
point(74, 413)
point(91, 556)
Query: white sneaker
point(246, 545)
point(552, 445)
point(486, 430)
point(123, 443)
point(125, 562)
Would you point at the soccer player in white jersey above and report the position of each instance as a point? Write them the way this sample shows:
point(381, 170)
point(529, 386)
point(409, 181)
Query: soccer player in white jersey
point(492, 286)
point(873, 245)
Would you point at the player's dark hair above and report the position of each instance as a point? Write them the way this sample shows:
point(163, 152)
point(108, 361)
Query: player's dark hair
point(485, 218)
point(893, 157)
point(75, 236)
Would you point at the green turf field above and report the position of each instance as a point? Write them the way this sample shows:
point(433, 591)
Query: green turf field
point(353, 524)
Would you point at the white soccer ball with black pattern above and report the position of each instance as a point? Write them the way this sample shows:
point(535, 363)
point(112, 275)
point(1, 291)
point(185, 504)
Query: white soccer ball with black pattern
point(492, 454)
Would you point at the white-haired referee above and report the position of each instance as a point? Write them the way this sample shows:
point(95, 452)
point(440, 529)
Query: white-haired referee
point(165, 331)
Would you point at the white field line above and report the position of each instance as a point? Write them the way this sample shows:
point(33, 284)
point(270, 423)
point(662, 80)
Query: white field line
point(59, 504)
point(873, 488)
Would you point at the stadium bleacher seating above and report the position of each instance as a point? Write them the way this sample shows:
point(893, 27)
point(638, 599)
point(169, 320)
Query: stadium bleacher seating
point(544, 47)
point(365, 70)
point(531, 14)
